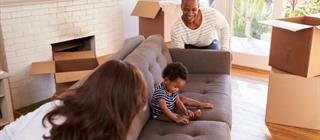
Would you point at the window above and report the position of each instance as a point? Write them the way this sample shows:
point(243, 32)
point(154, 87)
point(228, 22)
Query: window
point(249, 36)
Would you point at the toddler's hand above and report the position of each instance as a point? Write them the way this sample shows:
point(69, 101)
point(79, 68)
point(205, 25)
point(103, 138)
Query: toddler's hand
point(190, 113)
point(182, 120)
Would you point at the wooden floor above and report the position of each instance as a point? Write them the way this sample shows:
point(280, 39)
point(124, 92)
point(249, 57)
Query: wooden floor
point(249, 97)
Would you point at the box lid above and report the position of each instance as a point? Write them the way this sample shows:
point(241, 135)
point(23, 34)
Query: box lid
point(44, 67)
point(290, 25)
point(48, 67)
point(104, 58)
point(70, 76)
point(146, 9)
point(315, 15)
point(58, 56)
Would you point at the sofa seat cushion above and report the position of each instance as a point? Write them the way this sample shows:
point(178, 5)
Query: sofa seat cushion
point(196, 130)
point(222, 106)
point(212, 88)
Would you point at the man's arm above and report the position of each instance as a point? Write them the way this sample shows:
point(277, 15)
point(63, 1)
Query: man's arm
point(223, 26)
point(176, 40)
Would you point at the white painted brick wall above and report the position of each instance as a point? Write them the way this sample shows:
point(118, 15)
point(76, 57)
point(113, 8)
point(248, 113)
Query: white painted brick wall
point(28, 30)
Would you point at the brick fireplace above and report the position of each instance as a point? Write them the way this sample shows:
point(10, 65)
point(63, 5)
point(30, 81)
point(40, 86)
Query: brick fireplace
point(27, 30)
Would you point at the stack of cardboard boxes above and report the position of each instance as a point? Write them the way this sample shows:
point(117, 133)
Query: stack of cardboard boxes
point(294, 82)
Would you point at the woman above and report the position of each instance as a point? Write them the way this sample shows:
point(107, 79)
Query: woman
point(197, 28)
point(101, 109)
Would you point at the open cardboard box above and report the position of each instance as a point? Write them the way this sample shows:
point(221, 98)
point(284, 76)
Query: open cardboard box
point(69, 66)
point(152, 20)
point(293, 100)
point(295, 45)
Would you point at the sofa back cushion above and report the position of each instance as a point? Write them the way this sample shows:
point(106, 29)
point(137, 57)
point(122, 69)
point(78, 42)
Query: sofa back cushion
point(129, 45)
point(151, 57)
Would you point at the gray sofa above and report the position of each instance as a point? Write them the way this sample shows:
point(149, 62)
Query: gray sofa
point(209, 81)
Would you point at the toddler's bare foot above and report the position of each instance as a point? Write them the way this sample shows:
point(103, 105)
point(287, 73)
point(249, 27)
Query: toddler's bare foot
point(206, 106)
point(196, 115)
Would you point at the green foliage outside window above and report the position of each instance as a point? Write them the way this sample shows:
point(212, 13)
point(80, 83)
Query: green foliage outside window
point(302, 7)
point(247, 14)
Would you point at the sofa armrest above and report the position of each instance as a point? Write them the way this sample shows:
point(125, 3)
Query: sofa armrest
point(203, 61)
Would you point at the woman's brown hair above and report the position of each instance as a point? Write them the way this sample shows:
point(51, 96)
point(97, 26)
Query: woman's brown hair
point(103, 107)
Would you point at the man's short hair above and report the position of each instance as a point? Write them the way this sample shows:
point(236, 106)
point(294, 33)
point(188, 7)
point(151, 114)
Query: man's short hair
point(184, 0)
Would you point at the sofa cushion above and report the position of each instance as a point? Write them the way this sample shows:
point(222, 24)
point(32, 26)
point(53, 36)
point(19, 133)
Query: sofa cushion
point(137, 123)
point(212, 88)
point(222, 106)
point(151, 57)
point(129, 45)
point(209, 83)
point(195, 130)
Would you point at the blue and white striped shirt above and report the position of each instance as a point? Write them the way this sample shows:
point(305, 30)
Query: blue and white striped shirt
point(161, 92)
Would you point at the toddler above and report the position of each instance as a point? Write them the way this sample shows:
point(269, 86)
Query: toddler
point(166, 100)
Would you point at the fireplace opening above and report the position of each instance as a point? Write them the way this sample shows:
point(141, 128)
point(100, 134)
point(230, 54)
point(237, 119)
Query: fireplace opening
point(75, 55)
point(80, 44)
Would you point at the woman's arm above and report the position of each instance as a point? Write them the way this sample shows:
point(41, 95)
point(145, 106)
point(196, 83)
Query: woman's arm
point(32, 120)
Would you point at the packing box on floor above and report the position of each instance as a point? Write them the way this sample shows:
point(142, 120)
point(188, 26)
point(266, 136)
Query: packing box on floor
point(293, 100)
point(295, 45)
point(69, 66)
point(152, 20)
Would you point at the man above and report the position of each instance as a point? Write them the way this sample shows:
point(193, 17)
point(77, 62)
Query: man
point(197, 28)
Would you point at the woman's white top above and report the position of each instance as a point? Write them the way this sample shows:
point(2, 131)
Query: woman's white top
point(212, 21)
point(29, 127)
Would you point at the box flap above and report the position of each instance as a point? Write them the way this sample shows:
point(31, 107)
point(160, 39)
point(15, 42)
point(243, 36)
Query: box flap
point(286, 25)
point(315, 19)
point(65, 77)
point(104, 58)
point(146, 9)
point(59, 56)
point(314, 15)
point(45, 67)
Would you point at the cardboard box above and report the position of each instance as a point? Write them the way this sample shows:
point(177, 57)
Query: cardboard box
point(295, 45)
point(293, 100)
point(152, 20)
point(69, 66)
